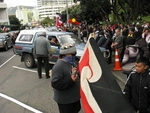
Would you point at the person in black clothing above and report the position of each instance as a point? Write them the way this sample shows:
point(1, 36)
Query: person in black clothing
point(137, 87)
point(65, 81)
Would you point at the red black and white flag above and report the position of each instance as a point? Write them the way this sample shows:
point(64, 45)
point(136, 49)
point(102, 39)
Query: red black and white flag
point(59, 22)
point(100, 92)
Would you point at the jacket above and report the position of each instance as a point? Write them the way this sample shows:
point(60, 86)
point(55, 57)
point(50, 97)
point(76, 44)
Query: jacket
point(137, 90)
point(65, 89)
point(144, 51)
point(42, 47)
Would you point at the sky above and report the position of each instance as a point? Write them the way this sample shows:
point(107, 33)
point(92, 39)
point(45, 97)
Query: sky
point(11, 3)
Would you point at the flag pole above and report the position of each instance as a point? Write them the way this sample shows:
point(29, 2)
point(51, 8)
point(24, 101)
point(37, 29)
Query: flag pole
point(67, 12)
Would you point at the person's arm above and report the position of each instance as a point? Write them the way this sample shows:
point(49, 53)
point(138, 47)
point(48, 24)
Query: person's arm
point(127, 89)
point(59, 81)
point(114, 44)
point(148, 109)
point(48, 47)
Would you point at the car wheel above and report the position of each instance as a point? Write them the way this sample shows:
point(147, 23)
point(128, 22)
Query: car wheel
point(6, 47)
point(29, 61)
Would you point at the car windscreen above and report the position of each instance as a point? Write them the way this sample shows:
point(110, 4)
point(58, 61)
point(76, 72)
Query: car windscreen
point(68, 38)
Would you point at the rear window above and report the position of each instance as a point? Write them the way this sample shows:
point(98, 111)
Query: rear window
point(26, 37)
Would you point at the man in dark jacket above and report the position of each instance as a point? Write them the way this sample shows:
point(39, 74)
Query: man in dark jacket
point(42, 51)
point(137, 87)
point(142, 45)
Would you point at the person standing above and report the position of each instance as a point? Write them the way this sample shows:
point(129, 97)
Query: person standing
point(65, 81)
point(118, 43)
point(42, 51)
point(137, 87)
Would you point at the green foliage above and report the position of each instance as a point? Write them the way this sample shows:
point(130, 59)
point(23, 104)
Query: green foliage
point(95, 10)
point(146, 19)
point(74, 12)
point(47, 22)
point(14, 22)
point(122, 11)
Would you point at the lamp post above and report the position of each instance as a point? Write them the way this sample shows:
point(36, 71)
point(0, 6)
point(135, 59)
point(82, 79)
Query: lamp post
point(67, 12)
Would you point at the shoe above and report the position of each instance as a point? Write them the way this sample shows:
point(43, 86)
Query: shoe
point(47, 77)
point(40, 77)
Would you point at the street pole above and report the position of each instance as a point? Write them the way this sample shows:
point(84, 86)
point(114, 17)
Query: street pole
point(67, 12)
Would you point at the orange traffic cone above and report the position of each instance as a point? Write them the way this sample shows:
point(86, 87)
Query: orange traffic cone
point(117, 65)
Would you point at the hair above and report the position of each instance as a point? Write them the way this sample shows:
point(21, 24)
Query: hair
point(132, 29)
point(146, 29)
point(118, 29)
point(142, 60)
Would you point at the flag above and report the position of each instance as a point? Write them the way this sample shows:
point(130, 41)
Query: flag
point(4, 29)
point(58, 23)
point(100, 92)
point(74, 21)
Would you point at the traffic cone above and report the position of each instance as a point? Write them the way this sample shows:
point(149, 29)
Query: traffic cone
point(117, 65)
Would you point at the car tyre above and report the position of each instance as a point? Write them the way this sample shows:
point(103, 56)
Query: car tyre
point(29, 61)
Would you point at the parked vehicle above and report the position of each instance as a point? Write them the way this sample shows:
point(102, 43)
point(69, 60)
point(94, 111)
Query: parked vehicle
point(5, 41)
point(24, 45)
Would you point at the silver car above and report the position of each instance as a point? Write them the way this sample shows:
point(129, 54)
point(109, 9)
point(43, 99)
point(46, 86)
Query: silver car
point(5, 41)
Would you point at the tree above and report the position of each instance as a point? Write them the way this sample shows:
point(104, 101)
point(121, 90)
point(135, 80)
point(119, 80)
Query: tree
point(74, 12)
point(47, 22)
point(14, 22)
point(96, 10)
point(100, 10)
point(130, 9)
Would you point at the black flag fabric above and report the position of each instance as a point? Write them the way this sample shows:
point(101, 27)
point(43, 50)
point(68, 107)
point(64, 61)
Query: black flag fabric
point(100, 92)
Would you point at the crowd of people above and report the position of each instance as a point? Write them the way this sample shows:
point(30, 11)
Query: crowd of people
point(133, 44)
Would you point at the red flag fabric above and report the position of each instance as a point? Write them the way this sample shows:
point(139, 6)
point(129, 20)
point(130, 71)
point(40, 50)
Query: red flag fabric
point(58, 23)
point(100, 92)
point(74, 22)
point(4, 29)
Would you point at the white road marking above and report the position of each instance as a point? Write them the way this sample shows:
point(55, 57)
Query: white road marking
point(26, 69)
point(7, 61)
point(20, 103)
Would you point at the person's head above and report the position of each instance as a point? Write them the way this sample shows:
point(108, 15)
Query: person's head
point(54, 39)
point(68, 52)
point(68, 49)
point(131, 30)
point(118, 31)
point(42, 34)
point(141, 64)
point(146, 30)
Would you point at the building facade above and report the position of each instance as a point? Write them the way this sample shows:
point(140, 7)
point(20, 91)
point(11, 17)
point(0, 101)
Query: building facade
point(4, 19)
point(27, 16)
point(49, 8)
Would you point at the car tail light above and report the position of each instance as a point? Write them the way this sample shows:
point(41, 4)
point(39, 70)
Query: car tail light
point(18, 47)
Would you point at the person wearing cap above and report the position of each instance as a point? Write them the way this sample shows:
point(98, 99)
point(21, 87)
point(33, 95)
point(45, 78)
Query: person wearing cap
point(42, 51)
point(65, 81)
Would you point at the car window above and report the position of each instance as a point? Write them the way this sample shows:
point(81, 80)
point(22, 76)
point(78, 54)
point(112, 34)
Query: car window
point(71, 38)
point(76, 39)
point(26, 37)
